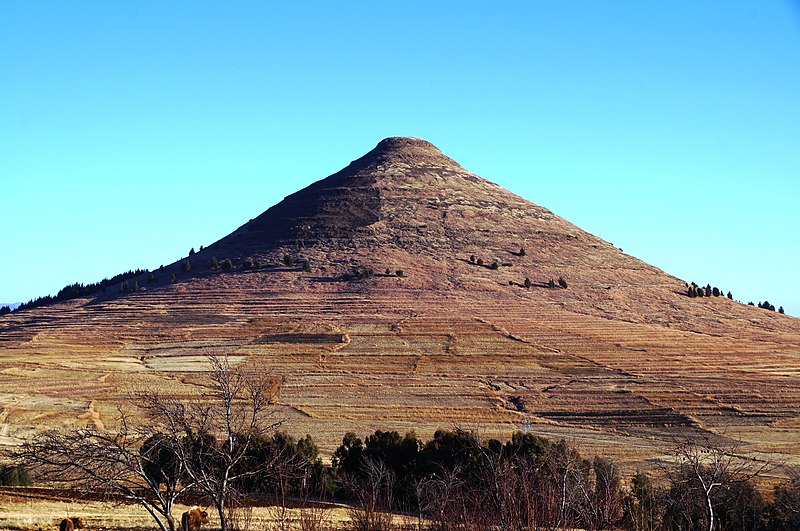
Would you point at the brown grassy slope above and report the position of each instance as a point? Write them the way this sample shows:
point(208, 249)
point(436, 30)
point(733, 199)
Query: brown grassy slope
point(621, 361)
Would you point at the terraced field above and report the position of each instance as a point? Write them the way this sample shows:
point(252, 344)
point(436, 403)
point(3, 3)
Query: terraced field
point(621, 362)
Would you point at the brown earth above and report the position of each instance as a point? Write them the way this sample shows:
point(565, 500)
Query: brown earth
point(621, 362)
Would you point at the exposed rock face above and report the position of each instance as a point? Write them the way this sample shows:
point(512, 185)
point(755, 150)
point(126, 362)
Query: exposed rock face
point(620, 359)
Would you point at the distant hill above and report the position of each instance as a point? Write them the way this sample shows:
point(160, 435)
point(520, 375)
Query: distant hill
point(405, 292)
point(12, 305)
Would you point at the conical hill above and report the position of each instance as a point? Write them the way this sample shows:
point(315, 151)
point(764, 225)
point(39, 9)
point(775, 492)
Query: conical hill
point(393, 295)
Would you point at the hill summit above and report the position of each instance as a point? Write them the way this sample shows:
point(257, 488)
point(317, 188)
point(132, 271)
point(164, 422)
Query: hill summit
point(407, 202)
point(405, 292)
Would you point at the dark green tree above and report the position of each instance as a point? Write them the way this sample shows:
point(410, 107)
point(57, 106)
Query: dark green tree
point(288, 261)
point(307, 265)
point(551, 283)
point(780, 310)
point(186, 266)
point(15, 476)
point(562, 282)
point(213, 263)
point(348, 456)
point(786, 507)
point(527, 283)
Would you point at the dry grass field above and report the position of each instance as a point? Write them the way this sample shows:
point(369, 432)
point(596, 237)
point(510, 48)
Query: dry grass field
point(620, 363)
point(30, 509)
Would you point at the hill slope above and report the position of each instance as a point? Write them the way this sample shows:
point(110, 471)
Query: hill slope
point(621, 359)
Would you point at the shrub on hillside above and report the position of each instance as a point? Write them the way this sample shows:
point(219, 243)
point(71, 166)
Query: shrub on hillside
point(360, 273)
point(15, 476)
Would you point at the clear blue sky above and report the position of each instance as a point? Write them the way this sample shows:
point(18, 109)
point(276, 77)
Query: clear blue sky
point(130, 132)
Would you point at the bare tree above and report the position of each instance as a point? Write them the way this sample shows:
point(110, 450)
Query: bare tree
point(561, 493)
point(213, 434)
point(314, 510)
point(202, 444)
point(709, 468)
point(373, 488)
point(439, 496)
point(601, 504)
point(135, 465)
point(787, 502)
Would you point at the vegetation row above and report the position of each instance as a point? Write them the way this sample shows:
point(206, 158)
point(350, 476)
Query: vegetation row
point(693, 291)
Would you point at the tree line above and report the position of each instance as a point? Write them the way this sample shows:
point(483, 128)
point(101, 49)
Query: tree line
point(75, 290)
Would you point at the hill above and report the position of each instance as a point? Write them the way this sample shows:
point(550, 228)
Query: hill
point(392, 294)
